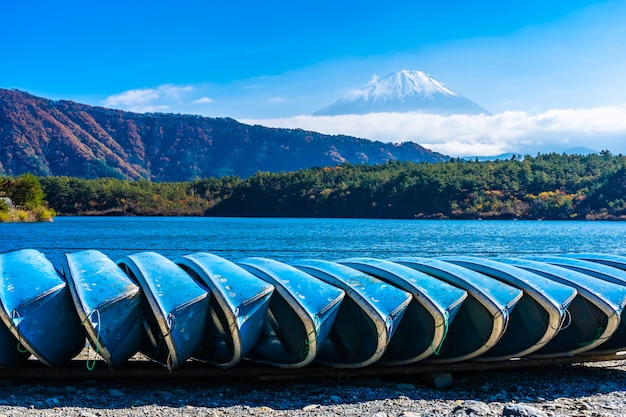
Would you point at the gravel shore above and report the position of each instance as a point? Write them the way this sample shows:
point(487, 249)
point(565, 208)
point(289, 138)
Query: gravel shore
point(591, 389)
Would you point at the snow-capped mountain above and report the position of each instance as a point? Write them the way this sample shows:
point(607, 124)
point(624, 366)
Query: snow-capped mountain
point(403, 91)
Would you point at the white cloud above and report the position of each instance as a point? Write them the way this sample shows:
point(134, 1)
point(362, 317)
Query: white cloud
point(148, 99)
point(276, 100)
point(203, 100)
point(132, 97)
point(174, 92)
point(467, 135)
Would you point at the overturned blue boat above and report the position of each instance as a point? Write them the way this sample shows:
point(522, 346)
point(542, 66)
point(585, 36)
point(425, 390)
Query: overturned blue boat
point(439, 302)
point(37, 308)
point(349, 313)
point(595, 314)
point(367, 320)
point(538, 316)
point(601, 271)
point(238, 307)
point(301, 314)
point(109, 305)
point(485, 316)
point(175, 308)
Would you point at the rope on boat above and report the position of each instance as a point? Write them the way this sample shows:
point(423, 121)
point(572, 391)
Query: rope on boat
point(15, 322)
point(317, 322)
point(170, 322)
point(90, 364)
point(568, 316)
point(389, 324)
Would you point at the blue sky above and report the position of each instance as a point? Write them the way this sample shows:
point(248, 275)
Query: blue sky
point(538, 66)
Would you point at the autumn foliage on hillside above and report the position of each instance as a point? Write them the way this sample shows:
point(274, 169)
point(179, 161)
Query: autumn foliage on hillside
point(63, 138)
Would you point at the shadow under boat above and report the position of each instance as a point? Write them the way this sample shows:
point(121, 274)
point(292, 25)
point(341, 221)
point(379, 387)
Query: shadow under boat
point(175, 308)
point(368, 317)
point(108, 302)
point(538, 316)
point(428, 321)
point(300, 316)
point(37, 308)
point(484, 316)
point(600, 270)
point(238, 307)
point(595, 313)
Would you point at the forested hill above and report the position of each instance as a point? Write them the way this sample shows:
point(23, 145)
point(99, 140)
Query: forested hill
point(47, 137)
point(543, 187)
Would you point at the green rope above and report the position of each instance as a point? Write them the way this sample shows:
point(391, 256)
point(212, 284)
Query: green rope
point(599, 331)
point(91, 364)
point(16, 315)
point(307, 342)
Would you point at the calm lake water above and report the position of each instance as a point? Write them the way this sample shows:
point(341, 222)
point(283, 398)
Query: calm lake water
point(289, 239)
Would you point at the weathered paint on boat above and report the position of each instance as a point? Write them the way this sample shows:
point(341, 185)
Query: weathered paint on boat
point(108, 303)
point(485, 317)
point(539, 315)
point(440, 303)
point(595, 313)
point(238, 307)
point(37, 307)
point(367, 319)
point(175, 308)
point(300, 316)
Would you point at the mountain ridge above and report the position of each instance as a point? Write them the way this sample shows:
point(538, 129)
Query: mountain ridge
point(61, 137)
point(403, 91)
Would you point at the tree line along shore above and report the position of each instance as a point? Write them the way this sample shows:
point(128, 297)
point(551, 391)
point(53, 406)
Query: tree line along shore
point(548, 186)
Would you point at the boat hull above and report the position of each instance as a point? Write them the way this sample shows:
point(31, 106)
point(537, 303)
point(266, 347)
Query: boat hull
point(485, 317)
point(38, 309)
point(108, 303)
point(604, 272)
point(367, 319)
point(436, 305)
point(300, 316)
point(175, 308)
point(538, 316)
point(239, 303)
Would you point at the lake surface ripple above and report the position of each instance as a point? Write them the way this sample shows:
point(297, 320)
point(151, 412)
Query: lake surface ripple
point(290, 239)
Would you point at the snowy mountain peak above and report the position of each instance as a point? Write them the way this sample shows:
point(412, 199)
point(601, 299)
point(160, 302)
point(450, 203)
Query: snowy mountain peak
point(404, 84)
point(403, 91)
